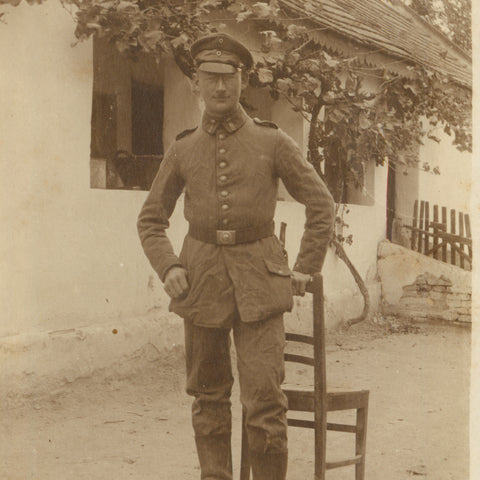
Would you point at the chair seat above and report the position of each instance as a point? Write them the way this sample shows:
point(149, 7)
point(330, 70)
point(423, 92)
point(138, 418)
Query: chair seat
point(301, 399)
point(308, 387)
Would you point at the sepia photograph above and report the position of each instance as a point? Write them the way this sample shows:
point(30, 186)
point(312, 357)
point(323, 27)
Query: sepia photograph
point(238, 240)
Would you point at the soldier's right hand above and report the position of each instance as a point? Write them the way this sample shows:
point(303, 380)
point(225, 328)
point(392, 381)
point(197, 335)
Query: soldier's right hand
point(176, 282)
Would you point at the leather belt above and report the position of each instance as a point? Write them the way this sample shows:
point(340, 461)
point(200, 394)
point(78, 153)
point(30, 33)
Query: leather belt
point(231, 237)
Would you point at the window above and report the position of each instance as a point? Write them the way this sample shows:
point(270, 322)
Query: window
point(127, 120)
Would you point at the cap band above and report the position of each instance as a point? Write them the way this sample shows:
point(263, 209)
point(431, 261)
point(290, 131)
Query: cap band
point(215, 67)
point(218, 56)
point(221, 48)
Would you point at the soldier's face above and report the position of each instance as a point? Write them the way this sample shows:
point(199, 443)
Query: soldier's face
point(220, 91)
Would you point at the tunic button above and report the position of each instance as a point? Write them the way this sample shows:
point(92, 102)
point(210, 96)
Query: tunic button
point(222, 150)
point(225, 221)
point(222, 164)
point(225, 206)
point(224, 193)
point(223, 178)
point(221, 136)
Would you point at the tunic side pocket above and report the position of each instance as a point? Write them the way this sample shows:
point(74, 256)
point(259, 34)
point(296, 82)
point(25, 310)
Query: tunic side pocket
point(280, 286)
point(278, 268)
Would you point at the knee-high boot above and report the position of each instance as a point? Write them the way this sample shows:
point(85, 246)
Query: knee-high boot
point(215, 456)
point(269, 466)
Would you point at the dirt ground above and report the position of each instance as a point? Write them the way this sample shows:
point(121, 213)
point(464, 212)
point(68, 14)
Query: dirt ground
point(138, 427)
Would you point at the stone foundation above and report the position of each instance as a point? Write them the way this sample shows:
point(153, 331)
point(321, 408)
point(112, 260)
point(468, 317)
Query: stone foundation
point(421, 288)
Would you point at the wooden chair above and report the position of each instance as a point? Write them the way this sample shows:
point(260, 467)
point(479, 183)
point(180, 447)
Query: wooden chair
point(316, 399)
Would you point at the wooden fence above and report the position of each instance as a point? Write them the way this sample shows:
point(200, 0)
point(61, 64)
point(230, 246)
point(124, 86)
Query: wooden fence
point(430, 235)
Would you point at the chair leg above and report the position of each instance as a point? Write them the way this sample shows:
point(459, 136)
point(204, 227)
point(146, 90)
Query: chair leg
point(320, 448)
point(245, 457)
point(360, 442)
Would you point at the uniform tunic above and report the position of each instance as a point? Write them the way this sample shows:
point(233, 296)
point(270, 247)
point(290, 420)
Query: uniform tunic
point(229, 172)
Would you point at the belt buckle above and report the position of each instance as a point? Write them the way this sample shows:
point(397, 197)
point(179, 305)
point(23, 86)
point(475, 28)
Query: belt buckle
point(226, 237)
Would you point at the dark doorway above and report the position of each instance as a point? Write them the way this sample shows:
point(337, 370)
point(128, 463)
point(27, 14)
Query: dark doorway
point(103, 126)
point(147, 119)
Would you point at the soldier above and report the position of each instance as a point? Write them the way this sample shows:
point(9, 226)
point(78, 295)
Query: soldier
point(232, 272)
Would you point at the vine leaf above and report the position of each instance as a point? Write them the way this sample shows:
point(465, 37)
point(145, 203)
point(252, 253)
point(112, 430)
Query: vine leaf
point(265, 75)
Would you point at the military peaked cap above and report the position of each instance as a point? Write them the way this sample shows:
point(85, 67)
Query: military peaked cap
point(220, 52)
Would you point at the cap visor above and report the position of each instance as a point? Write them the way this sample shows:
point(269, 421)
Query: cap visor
point(215, 67)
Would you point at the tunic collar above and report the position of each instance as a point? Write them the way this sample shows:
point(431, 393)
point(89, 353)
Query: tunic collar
point(231, 123)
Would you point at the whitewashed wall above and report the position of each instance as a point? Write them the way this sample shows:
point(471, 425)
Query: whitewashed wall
point(453, 187)
point(70, 256)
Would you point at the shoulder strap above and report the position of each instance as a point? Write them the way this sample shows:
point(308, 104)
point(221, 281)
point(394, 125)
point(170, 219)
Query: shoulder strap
point(186, 132)
point(265, 123)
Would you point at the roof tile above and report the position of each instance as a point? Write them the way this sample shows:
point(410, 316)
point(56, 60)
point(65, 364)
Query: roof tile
point(395, 29)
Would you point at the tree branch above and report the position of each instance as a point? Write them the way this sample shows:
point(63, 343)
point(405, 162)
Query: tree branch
point(340, 251)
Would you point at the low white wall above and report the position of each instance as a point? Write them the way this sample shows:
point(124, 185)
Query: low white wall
point(47, 363)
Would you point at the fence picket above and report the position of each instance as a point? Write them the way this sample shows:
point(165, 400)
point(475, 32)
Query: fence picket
point(414, 224)
point(420, 226)
point(461, 233)
point(435, 232)
point(444, 223)
point(453, 231)
point(426, 227)
point(469, 235)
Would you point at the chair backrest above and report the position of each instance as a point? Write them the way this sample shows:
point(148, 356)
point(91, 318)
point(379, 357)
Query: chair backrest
point(317, 340)
point(318, 361)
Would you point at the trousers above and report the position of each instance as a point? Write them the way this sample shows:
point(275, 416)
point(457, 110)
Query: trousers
point(259, 351)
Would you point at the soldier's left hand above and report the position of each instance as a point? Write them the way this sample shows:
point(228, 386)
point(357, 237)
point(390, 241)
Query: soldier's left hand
point(299, 282)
